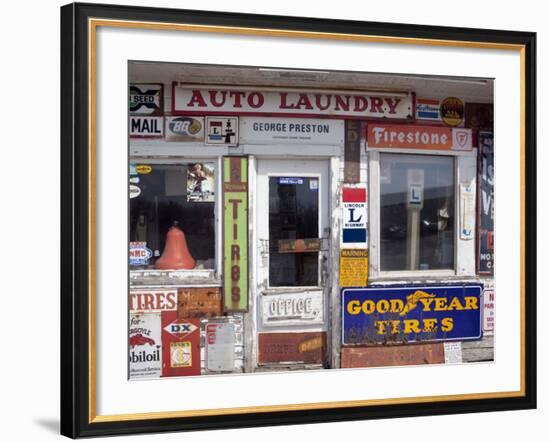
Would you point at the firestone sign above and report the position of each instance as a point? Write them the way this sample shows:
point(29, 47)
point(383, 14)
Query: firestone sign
point(213, 100)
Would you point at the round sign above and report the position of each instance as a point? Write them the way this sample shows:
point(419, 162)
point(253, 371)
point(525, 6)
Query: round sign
point(452, 111)
point(135, 191)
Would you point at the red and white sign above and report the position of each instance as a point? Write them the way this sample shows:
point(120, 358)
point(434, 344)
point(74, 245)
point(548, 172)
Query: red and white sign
point(214, 100)
point(354, 216)
point(141, 301)
point(145, 346)
point(488, 310)
point(180, 346)
point(406, 136)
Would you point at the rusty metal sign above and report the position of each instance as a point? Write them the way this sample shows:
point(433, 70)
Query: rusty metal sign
point(199, 302)
point(292, 308)
point(305, 348)
point(392, 355)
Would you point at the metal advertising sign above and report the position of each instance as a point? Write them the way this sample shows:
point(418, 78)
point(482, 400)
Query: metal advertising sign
point(352, 152)
point(427, 109)
point(451, 110)
point(354, 215)
point(411, 314)
point(235, 222)
point(220, 347)
point(142, 301)
point(180, 345)
point(305, 348)
point(199, 302)
point(292, 308)
point(214, 100)
point(488, 310)
point(354, 267)
point(222, 131)
point(403, 136)
point(146, 127)
point(184, 129)
point(145, 345)
point(392, 355)
point(139, 253)
point(486, 204)
point(467, 211)
point(146, 99)
point(287, 131)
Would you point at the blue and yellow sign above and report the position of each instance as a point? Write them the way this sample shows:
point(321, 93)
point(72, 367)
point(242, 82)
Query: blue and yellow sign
point(411, 314)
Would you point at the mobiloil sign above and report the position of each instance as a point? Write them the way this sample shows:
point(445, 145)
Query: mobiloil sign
point(411, 314)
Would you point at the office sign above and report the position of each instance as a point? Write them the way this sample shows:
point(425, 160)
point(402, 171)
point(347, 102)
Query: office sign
point(215, 100)
point(292, 308)
point(411, 314)
point(270, 131)
point(408, 136)
point(235, 233)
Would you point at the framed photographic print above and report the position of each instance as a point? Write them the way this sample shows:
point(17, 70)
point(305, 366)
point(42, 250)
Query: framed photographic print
point(279, 220)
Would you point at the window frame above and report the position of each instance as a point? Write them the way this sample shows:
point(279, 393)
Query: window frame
point(464, 250)
point(193, 277)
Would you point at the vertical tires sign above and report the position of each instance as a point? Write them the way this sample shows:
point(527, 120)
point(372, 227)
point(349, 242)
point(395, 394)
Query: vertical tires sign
point(235, 233)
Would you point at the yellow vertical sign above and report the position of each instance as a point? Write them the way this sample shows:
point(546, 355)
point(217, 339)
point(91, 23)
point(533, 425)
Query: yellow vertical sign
point(354, 267)
point(235, 233)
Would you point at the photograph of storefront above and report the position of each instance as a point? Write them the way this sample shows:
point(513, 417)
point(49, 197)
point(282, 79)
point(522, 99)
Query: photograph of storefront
point(284, 219)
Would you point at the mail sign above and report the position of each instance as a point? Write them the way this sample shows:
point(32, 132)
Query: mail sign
point(411, 314)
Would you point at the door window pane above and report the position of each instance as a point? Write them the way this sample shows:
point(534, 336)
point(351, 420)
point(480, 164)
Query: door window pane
point(293, 215)
point(416, 212)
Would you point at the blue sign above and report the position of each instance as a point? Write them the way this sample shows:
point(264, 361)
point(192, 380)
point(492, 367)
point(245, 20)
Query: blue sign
point(291, 180)
point(139, 254)
point(411, 314)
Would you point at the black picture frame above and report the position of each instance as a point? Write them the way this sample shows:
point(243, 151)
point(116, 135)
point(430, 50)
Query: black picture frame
point(77, 419)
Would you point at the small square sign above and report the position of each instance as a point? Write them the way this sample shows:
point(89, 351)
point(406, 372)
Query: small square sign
point(222, 130)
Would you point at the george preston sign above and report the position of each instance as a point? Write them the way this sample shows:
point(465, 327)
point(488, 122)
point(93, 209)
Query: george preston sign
point(213, 100)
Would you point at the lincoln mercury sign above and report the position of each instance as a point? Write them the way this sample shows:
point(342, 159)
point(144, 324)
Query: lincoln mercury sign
point(411, 314)
point(292, 308)
point(215, 100)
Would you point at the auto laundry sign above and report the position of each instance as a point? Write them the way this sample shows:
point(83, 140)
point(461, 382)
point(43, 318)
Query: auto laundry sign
point(411, 314)
point(215, 100)
point(407, 136)
point(291, 131)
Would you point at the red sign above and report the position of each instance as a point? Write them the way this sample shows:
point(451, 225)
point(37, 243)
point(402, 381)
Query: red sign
point(307, 348)
point(390, 355)
point(213, 100)
point(180, 346)
point(409, 136)
point(153, 300)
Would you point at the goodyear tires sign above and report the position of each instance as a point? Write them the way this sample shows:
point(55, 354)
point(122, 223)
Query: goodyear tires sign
point(411, 314)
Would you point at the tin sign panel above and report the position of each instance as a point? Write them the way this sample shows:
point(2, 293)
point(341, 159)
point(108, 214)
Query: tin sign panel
point(411, 314)
point(292, 309)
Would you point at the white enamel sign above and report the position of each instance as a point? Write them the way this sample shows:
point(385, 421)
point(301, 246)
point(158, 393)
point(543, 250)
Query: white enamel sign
point(292, 308)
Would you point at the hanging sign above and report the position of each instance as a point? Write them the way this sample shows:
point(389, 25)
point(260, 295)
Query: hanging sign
point(486, 204)
point(354, 213)
point(292, 308)
point(146, 99)
point(145, 346)
point(291, 131)
point(235, 232)
point(354, 267)
point(146, 127)
point(184, 129)
point(411, 314)
point(403, 136)
point(214, 100)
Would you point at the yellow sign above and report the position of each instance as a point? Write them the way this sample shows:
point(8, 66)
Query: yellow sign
point(143, 168)
point(354, 267)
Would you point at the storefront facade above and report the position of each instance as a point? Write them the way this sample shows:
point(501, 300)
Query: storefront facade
point(276, 227)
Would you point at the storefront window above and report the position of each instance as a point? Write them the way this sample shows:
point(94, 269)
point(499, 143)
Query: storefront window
point(417, 222)
point(293, 231)
point(177, 197)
